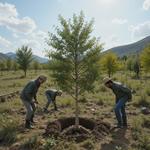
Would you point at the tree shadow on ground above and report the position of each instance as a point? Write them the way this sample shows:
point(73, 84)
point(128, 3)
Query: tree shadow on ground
point(118, 140)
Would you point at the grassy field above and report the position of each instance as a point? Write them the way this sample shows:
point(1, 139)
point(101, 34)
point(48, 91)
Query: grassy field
point(97, 105)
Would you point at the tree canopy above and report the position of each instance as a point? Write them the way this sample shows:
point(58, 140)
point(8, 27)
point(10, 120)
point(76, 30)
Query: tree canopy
point(24, 57)
point(75, 56)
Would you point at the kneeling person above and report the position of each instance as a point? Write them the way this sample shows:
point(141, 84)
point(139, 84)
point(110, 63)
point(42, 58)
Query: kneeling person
point(51, 97)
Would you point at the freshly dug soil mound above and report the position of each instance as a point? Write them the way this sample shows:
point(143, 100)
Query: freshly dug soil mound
point(65, 128)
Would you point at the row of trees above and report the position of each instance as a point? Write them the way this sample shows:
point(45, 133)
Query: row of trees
point(110, 63)
point(24, 61)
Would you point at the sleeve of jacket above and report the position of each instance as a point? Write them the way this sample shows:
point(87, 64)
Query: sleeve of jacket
point(35, 97)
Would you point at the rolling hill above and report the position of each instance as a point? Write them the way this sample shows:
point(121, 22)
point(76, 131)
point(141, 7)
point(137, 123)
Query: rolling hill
point(13, 56)
point(130, 48)
point(3, 56)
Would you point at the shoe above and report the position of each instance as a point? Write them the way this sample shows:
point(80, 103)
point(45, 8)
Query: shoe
point(32, 121)
point(28, 124)
point(118, 126)
point(125, 126)
point(45, 110)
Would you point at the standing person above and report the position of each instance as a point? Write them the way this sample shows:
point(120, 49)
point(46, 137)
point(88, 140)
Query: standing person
point(28, 97)
point(123, 94)
point(51, 97)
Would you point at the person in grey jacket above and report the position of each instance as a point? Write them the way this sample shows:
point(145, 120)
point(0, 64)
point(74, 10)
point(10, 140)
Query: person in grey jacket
point(28, 97)
point(123, 94)
point(51, 97)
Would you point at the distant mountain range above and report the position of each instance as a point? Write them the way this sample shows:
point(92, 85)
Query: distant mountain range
point(13, 57)
point(133, 48)
point(3, 56)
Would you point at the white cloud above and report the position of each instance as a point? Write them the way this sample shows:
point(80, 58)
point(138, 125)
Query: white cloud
point(9, 19)
point(111, 41)
point(146, 5)
point(35, 40)
point(119, 21)
point(8, 10)
point(140, 30)
point(4, 42)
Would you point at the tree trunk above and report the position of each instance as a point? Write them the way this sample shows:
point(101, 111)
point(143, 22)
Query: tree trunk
point(77, 110)
point(76, 92)
point(109, 74)
point(25, 73)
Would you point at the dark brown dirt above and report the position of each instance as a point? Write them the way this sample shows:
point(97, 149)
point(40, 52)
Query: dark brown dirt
point(65, 128)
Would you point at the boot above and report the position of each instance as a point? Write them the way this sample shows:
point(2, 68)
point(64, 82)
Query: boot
point(45, 110)
point(28, 124)
point(32, 120)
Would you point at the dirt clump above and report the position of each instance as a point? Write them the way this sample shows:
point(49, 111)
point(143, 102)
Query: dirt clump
point(66, 128)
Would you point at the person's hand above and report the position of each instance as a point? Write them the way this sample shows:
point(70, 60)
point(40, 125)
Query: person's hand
point(36, 102)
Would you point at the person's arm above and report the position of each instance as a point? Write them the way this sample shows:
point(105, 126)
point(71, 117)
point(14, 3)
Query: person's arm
point(54, 102)
point(35, 97)
point(55, 106)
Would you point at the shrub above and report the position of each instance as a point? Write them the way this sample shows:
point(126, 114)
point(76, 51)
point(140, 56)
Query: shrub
point(102, 89)
point(144, 142)
point(146, 122)
point(118, 148)
point(83, 100)
point(88, 144)
point(136, 128)
point(66, 102)
point(50, 142)
point(142, 100)
point(8, 130)
point(31, 143)
point(100, 102)
point(147, 91)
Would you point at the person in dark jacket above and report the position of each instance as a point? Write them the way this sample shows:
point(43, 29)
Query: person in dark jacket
point(28, 97)
point(51, 97)
point(123, 94)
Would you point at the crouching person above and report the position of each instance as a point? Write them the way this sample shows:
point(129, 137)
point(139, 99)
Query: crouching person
point(123, 94)
point(28, 97)
point(51, 97)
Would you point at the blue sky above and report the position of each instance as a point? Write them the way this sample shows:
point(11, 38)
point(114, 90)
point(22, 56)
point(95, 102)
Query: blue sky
point(117, 22)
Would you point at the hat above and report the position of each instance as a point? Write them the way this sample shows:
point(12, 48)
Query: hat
point(43, 77)
point(106, 79)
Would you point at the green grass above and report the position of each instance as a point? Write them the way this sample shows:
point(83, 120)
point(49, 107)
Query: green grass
point(8, 129)
point(102, 99)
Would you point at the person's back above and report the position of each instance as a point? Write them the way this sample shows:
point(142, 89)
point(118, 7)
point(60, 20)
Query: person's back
point(51, 97)
point(29, 91)
point(121, 90)
point(52, 93)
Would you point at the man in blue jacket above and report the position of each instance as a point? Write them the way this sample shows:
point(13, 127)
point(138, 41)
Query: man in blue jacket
point(123, 94)
point(28, 97)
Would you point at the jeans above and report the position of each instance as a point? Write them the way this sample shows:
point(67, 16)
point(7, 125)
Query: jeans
point(49, 100)
point(30, 107)
point(120, 111)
